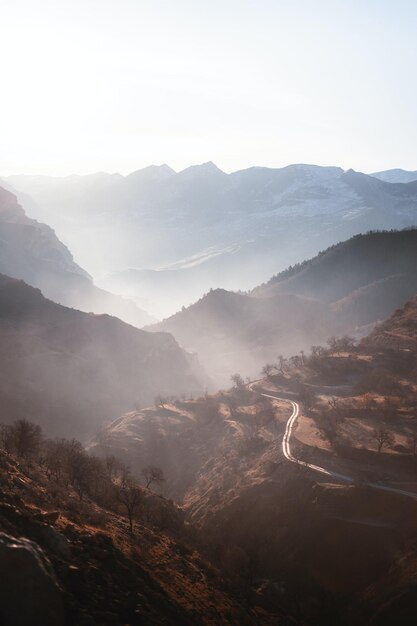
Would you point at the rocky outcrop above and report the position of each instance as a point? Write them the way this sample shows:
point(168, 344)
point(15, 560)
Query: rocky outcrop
point(29, 593)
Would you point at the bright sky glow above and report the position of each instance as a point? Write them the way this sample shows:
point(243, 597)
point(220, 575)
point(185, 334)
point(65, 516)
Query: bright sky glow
point(115, 85)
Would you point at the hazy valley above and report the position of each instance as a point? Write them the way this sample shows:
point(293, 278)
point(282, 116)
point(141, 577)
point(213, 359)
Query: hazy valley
point(208, 313)
point(346, 289)
point(250, 459)
point(31, 251)
point(164, 238)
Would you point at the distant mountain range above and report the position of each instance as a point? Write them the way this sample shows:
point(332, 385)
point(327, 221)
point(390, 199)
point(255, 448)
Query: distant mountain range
point(165, 238)
point(396, 176)
point(71, 371)
point(31, 251)
point(345, 289)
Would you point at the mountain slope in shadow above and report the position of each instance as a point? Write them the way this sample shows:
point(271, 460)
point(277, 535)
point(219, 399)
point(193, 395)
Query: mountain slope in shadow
point(71, 371)
point(344, 290)
point(31, 251)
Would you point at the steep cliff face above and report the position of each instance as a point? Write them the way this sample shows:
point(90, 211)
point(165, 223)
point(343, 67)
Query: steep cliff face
point(71, 371)
point(30, 250)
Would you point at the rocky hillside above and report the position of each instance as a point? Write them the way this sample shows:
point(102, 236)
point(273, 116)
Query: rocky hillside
point(344, 289)
point(319, 551)
point(399, 332)
point(31, 251)
point(70, 561)
point(171, 236)
point(72, 371)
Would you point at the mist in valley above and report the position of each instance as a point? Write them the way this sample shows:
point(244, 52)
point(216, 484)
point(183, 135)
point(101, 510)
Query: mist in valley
point(208, 314)
point(163, 238)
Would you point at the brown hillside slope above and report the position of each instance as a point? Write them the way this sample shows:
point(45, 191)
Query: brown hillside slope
point(71, 371)
point(399, 331)
point(75, 563)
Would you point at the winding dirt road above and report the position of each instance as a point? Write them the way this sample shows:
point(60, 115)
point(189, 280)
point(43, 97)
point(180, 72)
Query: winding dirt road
point(286, 449)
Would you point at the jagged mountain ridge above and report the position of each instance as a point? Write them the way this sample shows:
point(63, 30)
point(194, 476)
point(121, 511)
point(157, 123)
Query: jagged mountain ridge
point(202, 228)
point(71, 371)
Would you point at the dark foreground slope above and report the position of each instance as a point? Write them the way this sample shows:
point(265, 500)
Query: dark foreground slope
point(342, 290)
point(31, 251)
point(288, 539)
point(72, 371)
point(66, 562)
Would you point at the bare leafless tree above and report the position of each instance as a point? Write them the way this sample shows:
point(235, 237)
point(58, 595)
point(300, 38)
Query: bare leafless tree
point(54, 458)
point(160, 401)
point(25, 438)
point(341, 344)
point(153, 474)
point(111, 465)
point(267, 370)
point(318, 351)
point(6, 438)
point(281, 364)
point(307, 396)
point(412, 443)
point(82, 472)
point(130, 495)
point(237, 380)
point(383, 438)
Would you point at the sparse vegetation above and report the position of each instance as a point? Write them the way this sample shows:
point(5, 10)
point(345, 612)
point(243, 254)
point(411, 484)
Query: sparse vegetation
point(238, 381)
point(21, 438)
point(153, 474)
point(383, 438)
point(130, 495)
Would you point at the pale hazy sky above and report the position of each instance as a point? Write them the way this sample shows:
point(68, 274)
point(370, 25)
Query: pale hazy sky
point(115, 85)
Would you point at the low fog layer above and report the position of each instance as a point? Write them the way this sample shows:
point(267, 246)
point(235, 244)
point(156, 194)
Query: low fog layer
point(344, 290)
point(165, 238)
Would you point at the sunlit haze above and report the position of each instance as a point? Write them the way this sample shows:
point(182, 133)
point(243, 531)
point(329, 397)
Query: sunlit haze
point(208, 312)
point(91, 85)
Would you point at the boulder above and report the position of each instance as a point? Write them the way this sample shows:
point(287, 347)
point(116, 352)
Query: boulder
point(54, 540)
point(49, 517)
point(29, 592)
